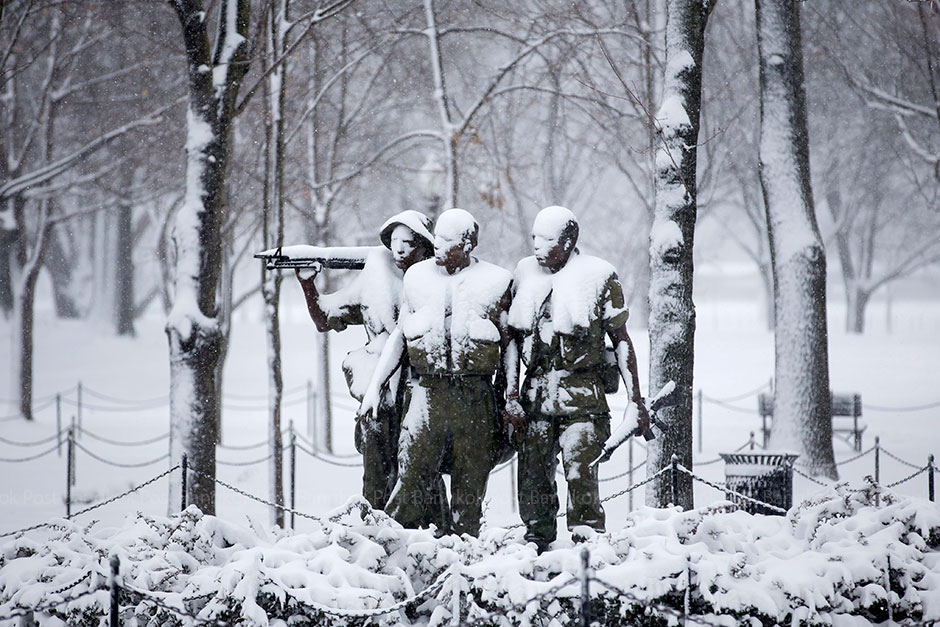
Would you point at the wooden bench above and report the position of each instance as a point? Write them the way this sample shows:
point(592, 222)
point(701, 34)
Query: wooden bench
point(846, 417)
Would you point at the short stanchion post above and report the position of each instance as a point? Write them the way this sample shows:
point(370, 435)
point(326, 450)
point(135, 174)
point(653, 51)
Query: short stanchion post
point(58, 422)
point(888, 590)
point(930, 469)
point(585, 588)
point(72, 430)
point(310, 425)
point(79, 410)
point(877, 467)
point(675, 479)
point(750, 441)
point(184, 465)
point(513, 487)
point(115, 592)
point(699, 414)
point(687, 597)
point(293, 471)
point(69, 469)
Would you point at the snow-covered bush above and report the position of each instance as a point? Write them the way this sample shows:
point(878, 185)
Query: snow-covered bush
point(829, 556)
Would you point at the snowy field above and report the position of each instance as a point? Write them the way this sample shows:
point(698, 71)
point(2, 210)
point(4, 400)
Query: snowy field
point(125, 383)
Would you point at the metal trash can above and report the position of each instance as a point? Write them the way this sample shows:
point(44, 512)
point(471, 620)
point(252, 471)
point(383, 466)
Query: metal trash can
point(766, 476)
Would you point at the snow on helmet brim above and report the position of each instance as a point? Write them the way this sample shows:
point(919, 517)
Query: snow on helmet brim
point(414, 220)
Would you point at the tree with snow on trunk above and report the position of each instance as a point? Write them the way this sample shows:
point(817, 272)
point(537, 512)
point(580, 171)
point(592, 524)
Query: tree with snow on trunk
point(802, 420)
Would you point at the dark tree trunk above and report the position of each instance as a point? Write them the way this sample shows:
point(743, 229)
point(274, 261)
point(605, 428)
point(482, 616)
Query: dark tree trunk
point(672, 312)
point(192, 328)
point(801, 371)
point(124, 274)
point(60, 264)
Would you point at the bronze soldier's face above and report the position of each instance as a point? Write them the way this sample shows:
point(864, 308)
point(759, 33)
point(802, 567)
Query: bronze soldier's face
point(405, 249)
point(450, 250)
point(551, 247)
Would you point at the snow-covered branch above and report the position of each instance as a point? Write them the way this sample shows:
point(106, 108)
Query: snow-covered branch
point(57, 167)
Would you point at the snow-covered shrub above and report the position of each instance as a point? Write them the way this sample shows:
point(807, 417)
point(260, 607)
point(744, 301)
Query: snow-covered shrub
point(829, 556)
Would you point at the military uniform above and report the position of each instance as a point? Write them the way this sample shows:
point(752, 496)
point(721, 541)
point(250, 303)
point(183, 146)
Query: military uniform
point(451, 327)
point(562, 320)
point(371, 300)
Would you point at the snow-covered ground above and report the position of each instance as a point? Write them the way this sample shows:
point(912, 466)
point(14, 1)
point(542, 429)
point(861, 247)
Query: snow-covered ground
point(125, 380)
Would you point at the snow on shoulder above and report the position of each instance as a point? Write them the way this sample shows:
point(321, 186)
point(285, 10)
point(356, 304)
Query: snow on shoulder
point(575, 290)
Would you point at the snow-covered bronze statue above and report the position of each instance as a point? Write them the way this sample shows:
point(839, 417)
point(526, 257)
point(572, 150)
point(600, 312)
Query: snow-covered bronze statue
point(564, 305)
point(372, 300)
point(452, 328)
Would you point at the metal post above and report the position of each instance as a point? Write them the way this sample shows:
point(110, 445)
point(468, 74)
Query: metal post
point(185, 467)
point(930, 469)
point(751, 441)
point(630, 474)
point(79, 403)
point(311, 427)
point(888, 590)
point(877, 468)
point(687, 597)
point(74, 430)
point(700, 420)
point(115, 591)
point(513, 486)
point(58, 422)
point(675, 479)
point(585, 588)
point(293, 471)
point(69, 469)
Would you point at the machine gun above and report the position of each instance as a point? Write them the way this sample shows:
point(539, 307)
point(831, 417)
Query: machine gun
point(316, 257)
point(667, 397)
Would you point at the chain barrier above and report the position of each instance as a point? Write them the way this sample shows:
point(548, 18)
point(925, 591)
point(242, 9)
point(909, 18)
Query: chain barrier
point(727, 490)
point(623, 474)
point(719, 459)
point(101, 438)
point(859, 456)
point(111, 408)
point(252, 462)
point(148, 597)
point(909, 477)
point(160, 400)
point(93, 455)
point(45, 608)
point(283, 508)
point(242, 447)
point(678, 615)
point(16, 460)
point(740, 410)
point(806, 476)
point(65, 589)
point(898, 459)
point(739, 397)
point(262, 397)
point(54, 436)
point(36, 408)
point(637, 485)
point(332, 462)
point(913, 408)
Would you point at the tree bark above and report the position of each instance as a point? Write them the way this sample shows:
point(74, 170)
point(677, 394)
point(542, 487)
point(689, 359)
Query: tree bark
point(273, 237)
point(802, 419)
point(192, 326)
point(672, 312)
point(124, 273)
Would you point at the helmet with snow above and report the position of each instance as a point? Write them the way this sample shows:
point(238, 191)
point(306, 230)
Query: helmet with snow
point(414, 220)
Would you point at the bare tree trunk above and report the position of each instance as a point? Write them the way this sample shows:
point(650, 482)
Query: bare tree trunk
point(192, 326)
point(60, 263)
point(273, 236)
point(672, 312)
point(802, 418)
point(21, 333)
point(124, 273)
point(448, 128)
point(767, 282)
